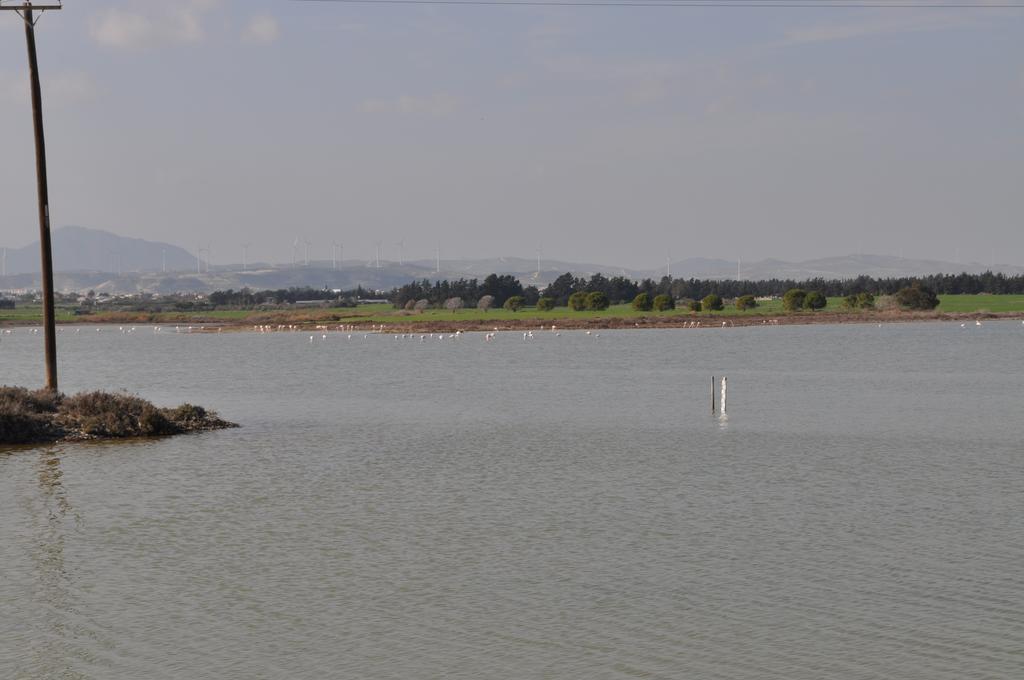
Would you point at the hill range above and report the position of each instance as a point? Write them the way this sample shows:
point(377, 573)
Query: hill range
point(92, 259)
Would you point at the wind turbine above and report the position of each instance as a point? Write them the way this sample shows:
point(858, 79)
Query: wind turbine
point(378, 244)
point(245, 259)
point(199, 258)
point(334, 255)
point(307, 244)
point(437, 262)
point(401, 252)
point(295, 246)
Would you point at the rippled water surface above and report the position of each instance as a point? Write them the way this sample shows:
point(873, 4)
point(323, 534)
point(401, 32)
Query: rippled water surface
point(561, 507)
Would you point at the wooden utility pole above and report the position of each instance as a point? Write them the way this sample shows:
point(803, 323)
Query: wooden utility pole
point(46, 253)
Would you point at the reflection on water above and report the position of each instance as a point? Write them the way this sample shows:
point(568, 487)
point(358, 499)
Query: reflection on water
point(561, 507)
point(51, 516)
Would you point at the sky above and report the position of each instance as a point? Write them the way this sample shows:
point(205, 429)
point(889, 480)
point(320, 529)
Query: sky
point(618, 135)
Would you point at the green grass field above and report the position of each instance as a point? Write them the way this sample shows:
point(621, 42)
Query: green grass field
point(384, 313)
point(33, 314)
point(387, 314)
point(981, 303)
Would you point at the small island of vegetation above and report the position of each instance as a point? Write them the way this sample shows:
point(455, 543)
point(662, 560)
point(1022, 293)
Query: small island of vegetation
point(30, 417)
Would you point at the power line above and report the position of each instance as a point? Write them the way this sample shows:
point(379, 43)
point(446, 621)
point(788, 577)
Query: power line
point(738, 4)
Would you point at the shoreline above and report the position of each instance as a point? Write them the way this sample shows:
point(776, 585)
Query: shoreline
point(404, 324)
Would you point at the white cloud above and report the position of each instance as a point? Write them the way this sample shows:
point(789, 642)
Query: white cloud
point(149, 25)
point(432, 105)
point(262, 29)
point(120, 29)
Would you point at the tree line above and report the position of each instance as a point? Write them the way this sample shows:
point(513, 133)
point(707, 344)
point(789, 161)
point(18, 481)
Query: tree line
point(600, 291)
point(246, 298)
point(470, 291)
point(619, 289)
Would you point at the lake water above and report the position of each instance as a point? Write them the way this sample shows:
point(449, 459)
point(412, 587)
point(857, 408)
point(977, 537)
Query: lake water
point(561, 507)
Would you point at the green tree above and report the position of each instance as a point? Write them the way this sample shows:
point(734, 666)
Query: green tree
point(695, 306)
point(642, 302)
point(545, 304)
point(712, 303)
point(663, 303)
point(917, 297)
point(859, 301)
point(793, 299)
point(597, 301)
point(578, 301)
point(514, 303)
point(815, 300)
point(501, 287)
point(746, 302)
point(562, 287)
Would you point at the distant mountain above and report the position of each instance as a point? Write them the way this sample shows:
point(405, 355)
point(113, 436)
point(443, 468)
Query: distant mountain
point(844, 267)
point(88, 259)
point(77, 249)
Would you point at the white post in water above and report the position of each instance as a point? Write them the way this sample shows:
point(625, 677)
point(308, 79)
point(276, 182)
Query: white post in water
point(724, 385)
point(712, 395)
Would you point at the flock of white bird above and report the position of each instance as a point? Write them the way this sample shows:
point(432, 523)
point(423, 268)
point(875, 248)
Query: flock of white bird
point(349, 330)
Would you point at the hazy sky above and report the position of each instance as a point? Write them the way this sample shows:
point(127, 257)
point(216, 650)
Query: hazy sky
point(613, 135)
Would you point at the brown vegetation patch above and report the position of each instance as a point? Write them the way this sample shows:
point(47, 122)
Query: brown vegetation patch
point(40, 416)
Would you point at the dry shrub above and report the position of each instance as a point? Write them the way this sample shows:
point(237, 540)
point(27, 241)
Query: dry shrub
point(23, 400)
point(25, 416)
point(25, 428)
point(886, 303)
point(108, 414)
point(188, 413)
